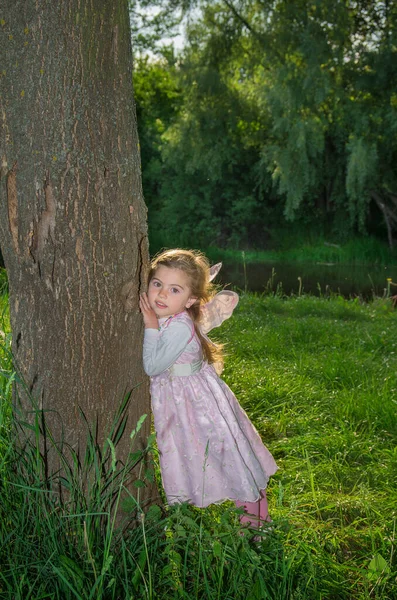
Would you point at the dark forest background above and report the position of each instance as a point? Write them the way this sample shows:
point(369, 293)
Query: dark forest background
point(276, 121)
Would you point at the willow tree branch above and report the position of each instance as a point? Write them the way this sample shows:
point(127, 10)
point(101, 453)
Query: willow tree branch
point(243, 20)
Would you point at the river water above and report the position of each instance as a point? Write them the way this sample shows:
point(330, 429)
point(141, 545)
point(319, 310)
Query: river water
point(349, 281)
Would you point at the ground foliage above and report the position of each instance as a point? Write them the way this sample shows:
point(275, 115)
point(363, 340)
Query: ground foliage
point(273, 112)
point(317, 375)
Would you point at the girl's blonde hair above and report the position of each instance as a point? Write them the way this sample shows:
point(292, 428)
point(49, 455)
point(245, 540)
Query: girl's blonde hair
point(197, 268)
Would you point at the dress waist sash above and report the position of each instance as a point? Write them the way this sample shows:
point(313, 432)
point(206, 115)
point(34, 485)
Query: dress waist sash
point(184, 369)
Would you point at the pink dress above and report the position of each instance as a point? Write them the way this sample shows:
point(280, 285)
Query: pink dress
point(209, 449)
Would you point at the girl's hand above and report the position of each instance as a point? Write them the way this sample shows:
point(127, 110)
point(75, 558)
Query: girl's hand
point(149, 316)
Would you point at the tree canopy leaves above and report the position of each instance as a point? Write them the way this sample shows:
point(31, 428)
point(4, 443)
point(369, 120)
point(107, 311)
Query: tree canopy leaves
point(276, 111)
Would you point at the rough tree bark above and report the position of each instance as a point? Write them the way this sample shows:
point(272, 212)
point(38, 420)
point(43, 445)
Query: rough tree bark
point(72, 217)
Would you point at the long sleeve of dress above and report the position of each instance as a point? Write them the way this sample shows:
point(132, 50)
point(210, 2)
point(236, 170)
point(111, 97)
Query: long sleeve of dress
point(161, 350)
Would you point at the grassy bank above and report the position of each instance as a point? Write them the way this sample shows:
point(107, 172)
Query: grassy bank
point(318, 378)
point(292, 249)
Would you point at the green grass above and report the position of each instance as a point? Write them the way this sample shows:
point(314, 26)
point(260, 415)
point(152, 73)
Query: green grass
point(318, 377)
point(293, 249)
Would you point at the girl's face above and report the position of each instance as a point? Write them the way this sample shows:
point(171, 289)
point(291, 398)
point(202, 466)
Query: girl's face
point(169, 292)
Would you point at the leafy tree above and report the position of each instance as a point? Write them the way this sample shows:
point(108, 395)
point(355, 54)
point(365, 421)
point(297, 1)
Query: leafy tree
point(152, 20)
point(286, 106)
point(158, 102)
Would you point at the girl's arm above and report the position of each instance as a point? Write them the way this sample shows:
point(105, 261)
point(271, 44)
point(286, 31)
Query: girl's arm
point(161, 351)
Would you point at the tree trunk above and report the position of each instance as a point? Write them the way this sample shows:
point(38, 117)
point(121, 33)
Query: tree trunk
point(73, 221)
point(389, 212)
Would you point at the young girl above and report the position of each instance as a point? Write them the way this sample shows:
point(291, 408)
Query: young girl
point(209, 449)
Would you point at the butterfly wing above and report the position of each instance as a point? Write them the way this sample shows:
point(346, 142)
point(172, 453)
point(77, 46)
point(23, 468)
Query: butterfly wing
point(217, 310)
